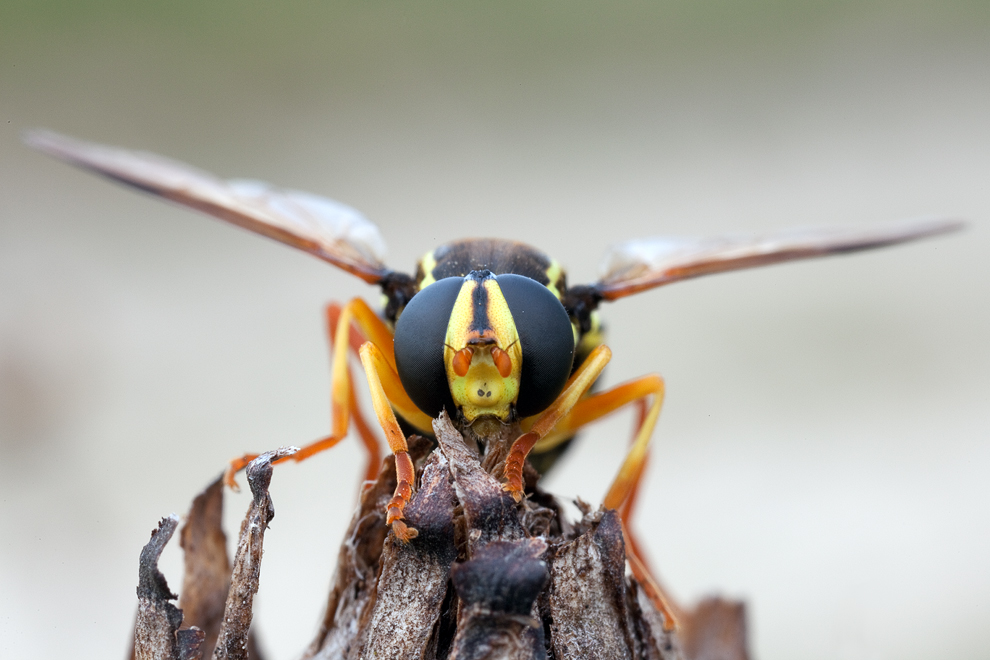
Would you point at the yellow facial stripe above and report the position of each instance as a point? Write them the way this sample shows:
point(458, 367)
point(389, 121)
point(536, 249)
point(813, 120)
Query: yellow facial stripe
point(482, 321)
point(461, 317)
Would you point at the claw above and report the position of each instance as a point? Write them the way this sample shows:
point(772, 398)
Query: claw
point(403, 532)
point(235, 466)
point(516, 492)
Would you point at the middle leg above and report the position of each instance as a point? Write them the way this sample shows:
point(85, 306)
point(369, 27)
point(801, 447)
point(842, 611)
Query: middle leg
point(621, 493)
point(343, 402)
point(381, 378)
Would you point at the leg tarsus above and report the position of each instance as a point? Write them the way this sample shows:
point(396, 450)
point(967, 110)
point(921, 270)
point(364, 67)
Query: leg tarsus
point(235, 466)
point(514, 465)
point(314, 448)
point(405, 474)
point(403, 532)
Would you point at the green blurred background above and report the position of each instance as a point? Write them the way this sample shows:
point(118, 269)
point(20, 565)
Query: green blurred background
point(824, 450)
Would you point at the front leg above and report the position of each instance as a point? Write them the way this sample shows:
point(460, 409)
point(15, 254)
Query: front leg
point(345, 338)
point(377, 369)
point(575, 388)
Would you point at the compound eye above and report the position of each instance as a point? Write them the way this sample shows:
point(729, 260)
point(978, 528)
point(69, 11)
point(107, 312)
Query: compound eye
point(547, 341)
point(420, 333)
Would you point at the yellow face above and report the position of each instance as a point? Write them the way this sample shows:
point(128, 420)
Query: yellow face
point(482, 354)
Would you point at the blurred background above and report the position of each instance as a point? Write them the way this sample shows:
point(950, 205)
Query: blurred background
point(824, 450)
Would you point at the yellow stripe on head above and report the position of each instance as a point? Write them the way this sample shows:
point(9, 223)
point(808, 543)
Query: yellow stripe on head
point(482, 344)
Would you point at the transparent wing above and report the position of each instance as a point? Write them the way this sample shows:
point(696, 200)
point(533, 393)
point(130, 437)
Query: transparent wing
point(646, 263)
point(325, 228)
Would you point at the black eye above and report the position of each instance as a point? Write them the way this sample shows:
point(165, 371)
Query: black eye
point(547, 341)
point(420, 334)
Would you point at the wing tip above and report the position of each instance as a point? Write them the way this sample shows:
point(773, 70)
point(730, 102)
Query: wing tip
point(41, 139)
point(845, 240)
point(55, 144)
point(931, 226)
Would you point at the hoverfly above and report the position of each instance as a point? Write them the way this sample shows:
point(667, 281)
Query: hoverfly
point(486, 329)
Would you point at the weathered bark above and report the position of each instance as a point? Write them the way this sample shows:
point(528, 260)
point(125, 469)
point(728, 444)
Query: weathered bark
point(232, 639)
point(156, 630)
point(715, 630)
point(414, 575)
point(207, 569)
point(588, 594)
point(486, 578)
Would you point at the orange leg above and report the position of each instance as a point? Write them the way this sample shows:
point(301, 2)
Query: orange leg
point(379, 372)
point(628, 488)
point(632, 468)
point(368, 439)
point(621, 494)
point(669, 609)
point(630, 504)
point(627, 508)
point(343, 402)
point(576, 387)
